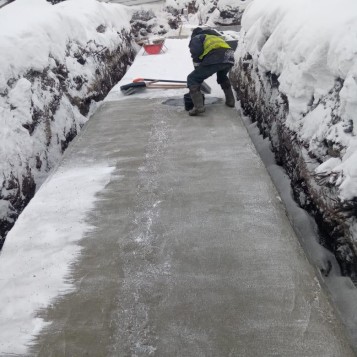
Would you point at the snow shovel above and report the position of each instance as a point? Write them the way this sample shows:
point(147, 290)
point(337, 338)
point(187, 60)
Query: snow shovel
point(132, 88)
point(157, 80)
point(204, 86)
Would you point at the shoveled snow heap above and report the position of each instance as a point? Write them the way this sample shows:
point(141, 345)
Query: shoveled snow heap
point(312, 47)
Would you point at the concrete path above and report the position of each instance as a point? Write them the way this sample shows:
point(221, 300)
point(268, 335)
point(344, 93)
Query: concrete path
point(192, 253)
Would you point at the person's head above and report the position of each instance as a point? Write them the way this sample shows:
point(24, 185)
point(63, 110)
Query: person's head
point(196, 31)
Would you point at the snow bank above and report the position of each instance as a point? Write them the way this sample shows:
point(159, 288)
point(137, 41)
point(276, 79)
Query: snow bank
point(311, 46)
point(31, 42)
point(54, 61)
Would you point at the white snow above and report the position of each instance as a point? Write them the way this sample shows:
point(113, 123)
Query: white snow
point(310, 45)
point(27, 41)
point(328, 165)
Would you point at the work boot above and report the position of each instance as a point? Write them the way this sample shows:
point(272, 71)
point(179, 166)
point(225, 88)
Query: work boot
point(197, 99)
point(227, 89)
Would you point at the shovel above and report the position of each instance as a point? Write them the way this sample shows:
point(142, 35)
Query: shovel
point(138, 83)
point(204, 86)
point(157, 80)
point(132, 88)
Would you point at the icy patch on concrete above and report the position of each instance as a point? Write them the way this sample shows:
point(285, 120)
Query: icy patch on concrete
point(36, 258)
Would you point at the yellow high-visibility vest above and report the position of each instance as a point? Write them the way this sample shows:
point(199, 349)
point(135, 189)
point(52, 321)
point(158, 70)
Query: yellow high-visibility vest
point(213, 42)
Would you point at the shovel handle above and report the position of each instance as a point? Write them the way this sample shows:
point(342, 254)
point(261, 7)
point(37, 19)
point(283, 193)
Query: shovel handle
point(136, 80)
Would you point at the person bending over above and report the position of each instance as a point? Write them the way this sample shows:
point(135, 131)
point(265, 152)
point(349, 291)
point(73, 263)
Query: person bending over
point(210, 55)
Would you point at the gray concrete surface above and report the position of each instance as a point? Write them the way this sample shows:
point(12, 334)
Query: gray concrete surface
point(192, 253)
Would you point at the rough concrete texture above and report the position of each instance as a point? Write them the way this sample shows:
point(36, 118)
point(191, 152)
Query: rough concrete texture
point(191, 252)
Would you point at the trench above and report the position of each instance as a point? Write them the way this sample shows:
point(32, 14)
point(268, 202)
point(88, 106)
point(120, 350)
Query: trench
point(140, 338)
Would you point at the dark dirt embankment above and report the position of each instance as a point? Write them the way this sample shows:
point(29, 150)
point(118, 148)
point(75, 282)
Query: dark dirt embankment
point(56, 121)
point(262, 101)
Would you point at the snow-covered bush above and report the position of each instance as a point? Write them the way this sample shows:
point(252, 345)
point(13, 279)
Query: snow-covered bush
point(55, 60)
point(211, 12)
point(145, 23)
point(296, 75)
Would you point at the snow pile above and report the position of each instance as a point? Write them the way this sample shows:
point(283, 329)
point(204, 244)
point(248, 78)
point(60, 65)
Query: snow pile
point(34, 42)
point(311, 47)
point(53, 63)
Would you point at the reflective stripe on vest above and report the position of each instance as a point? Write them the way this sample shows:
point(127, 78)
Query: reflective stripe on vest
point(212, 42)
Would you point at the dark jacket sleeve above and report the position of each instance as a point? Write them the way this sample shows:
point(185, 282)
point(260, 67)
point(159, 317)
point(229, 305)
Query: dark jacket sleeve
point(196, 47)
point(211, 32)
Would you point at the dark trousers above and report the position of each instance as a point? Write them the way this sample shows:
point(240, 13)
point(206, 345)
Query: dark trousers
point(203, 72)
